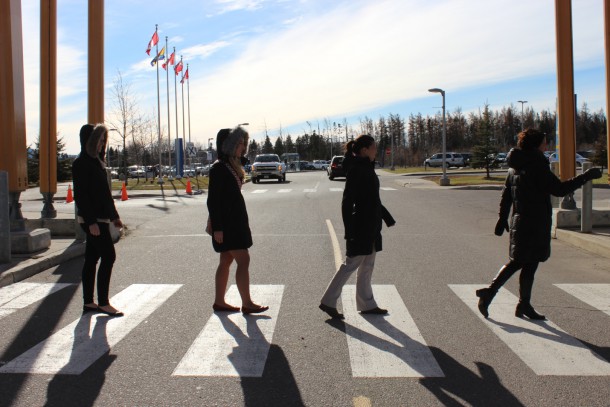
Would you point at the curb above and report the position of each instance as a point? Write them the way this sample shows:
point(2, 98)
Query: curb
point(31, 267)
point(588, 242)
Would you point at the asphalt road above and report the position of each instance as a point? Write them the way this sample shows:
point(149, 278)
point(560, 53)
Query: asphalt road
point(443, 240)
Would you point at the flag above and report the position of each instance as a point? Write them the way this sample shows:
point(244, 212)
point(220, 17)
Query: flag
point(178, 68)
point(185, 76)
point(153, 41)
point(170, 61)
point(160, 56)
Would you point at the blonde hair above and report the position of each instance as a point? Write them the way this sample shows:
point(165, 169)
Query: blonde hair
point(240, 134)
point(98, 132)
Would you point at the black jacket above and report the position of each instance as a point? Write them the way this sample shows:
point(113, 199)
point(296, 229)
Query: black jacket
point(361, 207)
point(227, 210)
point(91, 192)
point(528, 189)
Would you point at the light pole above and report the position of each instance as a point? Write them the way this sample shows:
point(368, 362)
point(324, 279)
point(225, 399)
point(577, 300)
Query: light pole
point(444, 180)
point(522, 116)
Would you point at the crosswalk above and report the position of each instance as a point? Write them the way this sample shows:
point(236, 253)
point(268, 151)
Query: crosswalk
point(234, 345)
point(306, 190)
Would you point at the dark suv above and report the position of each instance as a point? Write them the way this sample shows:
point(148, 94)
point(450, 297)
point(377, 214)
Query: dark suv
point(335, 169)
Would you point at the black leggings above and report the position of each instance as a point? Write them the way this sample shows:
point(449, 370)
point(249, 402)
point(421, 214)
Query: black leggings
point(98, 247)
point(526, 278)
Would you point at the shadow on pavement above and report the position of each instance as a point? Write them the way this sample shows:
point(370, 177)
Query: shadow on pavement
point(484, 389)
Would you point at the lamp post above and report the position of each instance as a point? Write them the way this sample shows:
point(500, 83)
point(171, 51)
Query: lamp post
point(444, 181)
point(522, 116)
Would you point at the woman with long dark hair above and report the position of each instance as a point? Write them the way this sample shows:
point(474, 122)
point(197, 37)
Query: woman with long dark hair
point(228, 222)
point(527, 190)
point(95, 210)
point(362, 214)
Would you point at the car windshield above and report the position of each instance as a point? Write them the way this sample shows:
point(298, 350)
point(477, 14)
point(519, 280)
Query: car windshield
point(267, 159)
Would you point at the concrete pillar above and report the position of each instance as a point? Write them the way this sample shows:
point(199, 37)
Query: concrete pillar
point(48, 106)
point(566, 120)
point(13, 148)
point(5, 226)
point(96, 62)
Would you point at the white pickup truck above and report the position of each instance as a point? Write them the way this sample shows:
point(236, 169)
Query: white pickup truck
point(268, 166)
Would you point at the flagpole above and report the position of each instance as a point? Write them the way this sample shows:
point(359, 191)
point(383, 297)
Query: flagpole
point(188, 99)
point(176, 105)
point(182, 93)
point(160, 181)
point(169, 135)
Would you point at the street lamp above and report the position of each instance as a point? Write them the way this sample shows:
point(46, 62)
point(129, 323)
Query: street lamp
point(444, 180)
point(522, 116)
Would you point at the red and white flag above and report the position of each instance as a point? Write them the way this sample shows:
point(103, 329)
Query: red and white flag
point(153, 41)
point(178, 68)
point(185, 76)
point(170, 61)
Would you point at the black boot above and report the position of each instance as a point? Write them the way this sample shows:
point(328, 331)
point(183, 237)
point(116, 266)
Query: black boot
point(486, 295)
point(526, 309)
point(526, 283)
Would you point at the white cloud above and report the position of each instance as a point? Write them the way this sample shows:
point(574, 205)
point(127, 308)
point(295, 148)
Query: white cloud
point(236, 5)
point(202, 51)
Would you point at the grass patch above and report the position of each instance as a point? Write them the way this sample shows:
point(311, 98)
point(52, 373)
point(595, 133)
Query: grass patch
point(463, 180)
point(134, 184)
point(405, 170)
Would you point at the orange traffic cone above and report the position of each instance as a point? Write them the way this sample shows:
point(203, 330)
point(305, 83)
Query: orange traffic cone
point(124, 196)
point(189, 188)
point(69, 197)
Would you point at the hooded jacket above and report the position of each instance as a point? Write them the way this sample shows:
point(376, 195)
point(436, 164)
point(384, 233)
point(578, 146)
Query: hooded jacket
point(527, 190)
point(361, 207)
point(91, 192)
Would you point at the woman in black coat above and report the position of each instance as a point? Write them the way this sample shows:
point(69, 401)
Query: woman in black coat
point(95, 210)
point(362, 213)
point(228, 221)
point(528, 189)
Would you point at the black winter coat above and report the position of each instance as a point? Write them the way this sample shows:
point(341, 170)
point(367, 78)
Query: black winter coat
point(91, 191)
point(361, 207)
point(527, 190)
point(227, 210)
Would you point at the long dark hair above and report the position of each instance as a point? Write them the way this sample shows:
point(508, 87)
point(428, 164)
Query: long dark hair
point(530, 139)
point(363, 141)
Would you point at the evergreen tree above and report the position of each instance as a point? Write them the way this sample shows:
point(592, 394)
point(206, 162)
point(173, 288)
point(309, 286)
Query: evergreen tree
point(267, 146)
point(483, 152)
point(600, 157)
point(289, 145)
point(278, 148)
point(64, 163)
point(33, 162)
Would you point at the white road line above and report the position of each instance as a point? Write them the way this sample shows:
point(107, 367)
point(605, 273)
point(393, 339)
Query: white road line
point(75, 347)
point(20, 295)
point(543, 346)
point(335, 243)
point(335, 189)
point(387, 189)
point(386, 346)
point(259, 191)
point(283, 191)
point(317, 185)
point(232, 344)
point(596, 295)
point(310, 190)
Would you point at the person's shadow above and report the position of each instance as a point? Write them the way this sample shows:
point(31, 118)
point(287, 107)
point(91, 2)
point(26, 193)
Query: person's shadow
point(277, 386)
point(70, 389)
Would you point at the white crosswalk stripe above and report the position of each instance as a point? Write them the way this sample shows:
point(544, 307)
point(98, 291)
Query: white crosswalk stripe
point(307, 190)
point(74, 348)
point(259, 191)
point(283, 191)
point(231, 344)
point(310, 190)
point(596, 295)
point(386, 346)
point(20, 295)
point(335, 189)
point(387, 189)
point(543, 346)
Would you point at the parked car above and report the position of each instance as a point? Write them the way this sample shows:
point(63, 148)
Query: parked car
point(579, 159)
point(500, 159)
point(452, 160)
point(203, 170)
point(336, 167)
point(320, 164)
point(467, 157)
point(268, 166)
point(588, 154)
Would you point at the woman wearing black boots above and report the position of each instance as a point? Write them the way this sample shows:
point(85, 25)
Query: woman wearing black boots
point(528, 189)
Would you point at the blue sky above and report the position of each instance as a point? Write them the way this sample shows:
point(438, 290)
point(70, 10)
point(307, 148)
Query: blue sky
point(275, 63)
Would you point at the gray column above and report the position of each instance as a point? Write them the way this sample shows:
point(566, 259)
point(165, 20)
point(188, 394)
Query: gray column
point(5, 228)
point(586, 211)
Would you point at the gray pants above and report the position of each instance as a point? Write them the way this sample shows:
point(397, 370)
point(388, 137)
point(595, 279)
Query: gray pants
point(364, 290)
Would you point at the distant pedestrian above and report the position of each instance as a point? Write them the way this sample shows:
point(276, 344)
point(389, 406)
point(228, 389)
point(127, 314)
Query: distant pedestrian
point(362, 214)
point(527, 190)
point(95, 210)
point(231, 236)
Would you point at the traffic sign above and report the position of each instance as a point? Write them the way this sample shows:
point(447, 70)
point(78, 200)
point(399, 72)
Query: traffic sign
point(191, 150)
